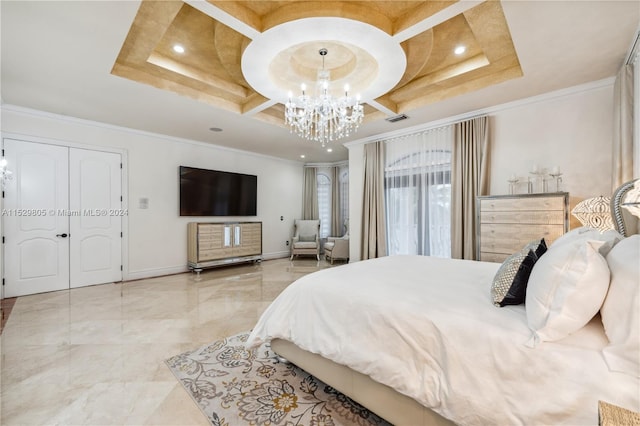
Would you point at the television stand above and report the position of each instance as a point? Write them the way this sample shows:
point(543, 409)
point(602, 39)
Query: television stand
point(212, 244)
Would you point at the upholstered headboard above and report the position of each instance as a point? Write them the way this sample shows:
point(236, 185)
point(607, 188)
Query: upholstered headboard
point(625, 223)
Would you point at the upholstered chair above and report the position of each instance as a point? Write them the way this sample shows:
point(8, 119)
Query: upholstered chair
point(338, 247)
point(306, 238)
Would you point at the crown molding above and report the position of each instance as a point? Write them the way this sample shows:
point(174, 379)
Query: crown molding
point(100, 125)
point(594, 85)
point(334, 164)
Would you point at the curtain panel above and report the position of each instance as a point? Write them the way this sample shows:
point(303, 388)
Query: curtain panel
point(310, 194)
point(469, 179)
point(374, 242)
point(418, 193)
point(336, 217)
point(623, 123)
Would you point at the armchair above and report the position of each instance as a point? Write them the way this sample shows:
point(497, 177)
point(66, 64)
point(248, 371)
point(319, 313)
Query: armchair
point(306, 238)
point(337, 247)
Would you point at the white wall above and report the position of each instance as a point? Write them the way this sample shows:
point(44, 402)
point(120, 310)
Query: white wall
point(573, 132)
point(157, 236)
point(571, 129)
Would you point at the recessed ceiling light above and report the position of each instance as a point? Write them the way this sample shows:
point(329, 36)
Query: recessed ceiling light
point(178, 48)
point(302, 156)
point(215, 129)
point(460, 50)
point(329, 150)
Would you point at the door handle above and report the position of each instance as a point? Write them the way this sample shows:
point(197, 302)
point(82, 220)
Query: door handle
point(62, 235)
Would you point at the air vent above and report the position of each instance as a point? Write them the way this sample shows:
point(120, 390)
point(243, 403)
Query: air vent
point(396, 118)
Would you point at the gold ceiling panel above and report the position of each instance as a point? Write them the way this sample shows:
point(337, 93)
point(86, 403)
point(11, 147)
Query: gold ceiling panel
point(389, 16)
point(490, 59)
point(210, 69)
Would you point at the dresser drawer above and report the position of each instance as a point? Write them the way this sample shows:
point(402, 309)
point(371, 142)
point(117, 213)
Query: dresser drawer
point(518, 204)
point(493, 257)
point(555, 217)
point(209, 229)
point(516, 235)
point(208, 245)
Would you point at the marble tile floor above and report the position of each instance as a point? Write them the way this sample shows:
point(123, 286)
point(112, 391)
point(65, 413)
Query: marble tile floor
point(6, 305)
point(95, 355)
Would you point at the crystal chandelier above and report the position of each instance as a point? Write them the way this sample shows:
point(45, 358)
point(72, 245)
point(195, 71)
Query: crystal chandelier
point(323, 118)
point(5, 175)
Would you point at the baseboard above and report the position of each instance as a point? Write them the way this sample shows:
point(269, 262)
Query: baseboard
point(156, 272)
point(276, 255)
point(159, 272)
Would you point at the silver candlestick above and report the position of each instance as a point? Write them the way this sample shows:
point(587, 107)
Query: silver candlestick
point(513, 182)
point(558, 178)
point(540, 180)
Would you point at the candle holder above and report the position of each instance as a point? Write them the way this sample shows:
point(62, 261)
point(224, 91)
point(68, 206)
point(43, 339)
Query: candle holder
point(558, 178)
point(513, 183)
point(539, 180)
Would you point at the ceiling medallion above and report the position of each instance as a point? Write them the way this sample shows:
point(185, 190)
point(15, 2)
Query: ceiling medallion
point(323, 118)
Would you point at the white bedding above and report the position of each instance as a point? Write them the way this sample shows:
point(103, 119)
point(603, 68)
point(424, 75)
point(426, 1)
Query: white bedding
point(427, 327)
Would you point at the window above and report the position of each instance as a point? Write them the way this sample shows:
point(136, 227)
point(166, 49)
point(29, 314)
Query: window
point(344, 194)
point(418, 193)
point(324, 204)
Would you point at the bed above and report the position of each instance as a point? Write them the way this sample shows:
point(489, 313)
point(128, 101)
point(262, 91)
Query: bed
point(418, 340)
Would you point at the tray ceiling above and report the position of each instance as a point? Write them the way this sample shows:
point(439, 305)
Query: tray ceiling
point(399, 54)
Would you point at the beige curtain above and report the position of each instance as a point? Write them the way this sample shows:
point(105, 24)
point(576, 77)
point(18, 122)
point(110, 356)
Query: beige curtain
point(374, 243)
point(310, 194)
point(623, 127)
point(336, 218)
point(469, 178)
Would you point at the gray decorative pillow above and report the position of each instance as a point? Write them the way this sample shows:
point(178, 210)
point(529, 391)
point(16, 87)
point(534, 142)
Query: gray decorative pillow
point(509, 286)
point(539, 247)
point(307, 238)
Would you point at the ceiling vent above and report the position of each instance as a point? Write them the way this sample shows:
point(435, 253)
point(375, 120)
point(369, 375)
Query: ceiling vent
point(396, 118)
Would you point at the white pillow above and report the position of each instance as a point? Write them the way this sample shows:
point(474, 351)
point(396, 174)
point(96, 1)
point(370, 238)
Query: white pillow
point(609, 238)
point(566, 289)
point(620, 311)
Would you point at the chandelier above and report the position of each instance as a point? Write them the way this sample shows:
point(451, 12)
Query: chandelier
point(322, 118)
point(5, 175)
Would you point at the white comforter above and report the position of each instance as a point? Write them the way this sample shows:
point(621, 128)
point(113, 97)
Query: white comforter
point(426, 327)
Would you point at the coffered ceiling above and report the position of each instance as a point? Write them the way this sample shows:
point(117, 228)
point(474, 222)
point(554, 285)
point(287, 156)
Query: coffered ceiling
point(245, 56)
point(113, 61)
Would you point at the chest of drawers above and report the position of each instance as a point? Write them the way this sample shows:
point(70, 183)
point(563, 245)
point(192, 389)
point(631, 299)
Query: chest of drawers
point(508, 222)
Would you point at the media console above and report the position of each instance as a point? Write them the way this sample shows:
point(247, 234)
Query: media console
point(223, 243)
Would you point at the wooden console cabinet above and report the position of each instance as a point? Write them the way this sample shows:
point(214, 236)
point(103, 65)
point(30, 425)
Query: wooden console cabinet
point(214, 244)
point(509, 222)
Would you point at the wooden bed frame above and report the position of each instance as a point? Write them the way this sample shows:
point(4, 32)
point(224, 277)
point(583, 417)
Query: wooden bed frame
point(384, 401)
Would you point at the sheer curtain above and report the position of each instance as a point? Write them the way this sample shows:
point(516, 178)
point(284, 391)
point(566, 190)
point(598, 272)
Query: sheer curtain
point(324, 201)
point(418, 193)
point(469, 170)
point(310, 194)
point(373, 224)
point(336, 217)
point(344, 198)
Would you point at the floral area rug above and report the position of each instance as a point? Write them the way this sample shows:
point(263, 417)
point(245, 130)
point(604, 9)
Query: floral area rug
point(235, 386)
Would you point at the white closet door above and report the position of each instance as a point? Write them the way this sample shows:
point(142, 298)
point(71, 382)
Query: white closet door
point(36, 233)
point(96, 219)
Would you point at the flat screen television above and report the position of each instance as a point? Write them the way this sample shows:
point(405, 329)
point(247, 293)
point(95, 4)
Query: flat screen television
point(216, 193)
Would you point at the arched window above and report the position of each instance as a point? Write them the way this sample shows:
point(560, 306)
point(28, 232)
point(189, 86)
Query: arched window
point(344, 194)
point(324, 204)
point(418, 193)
